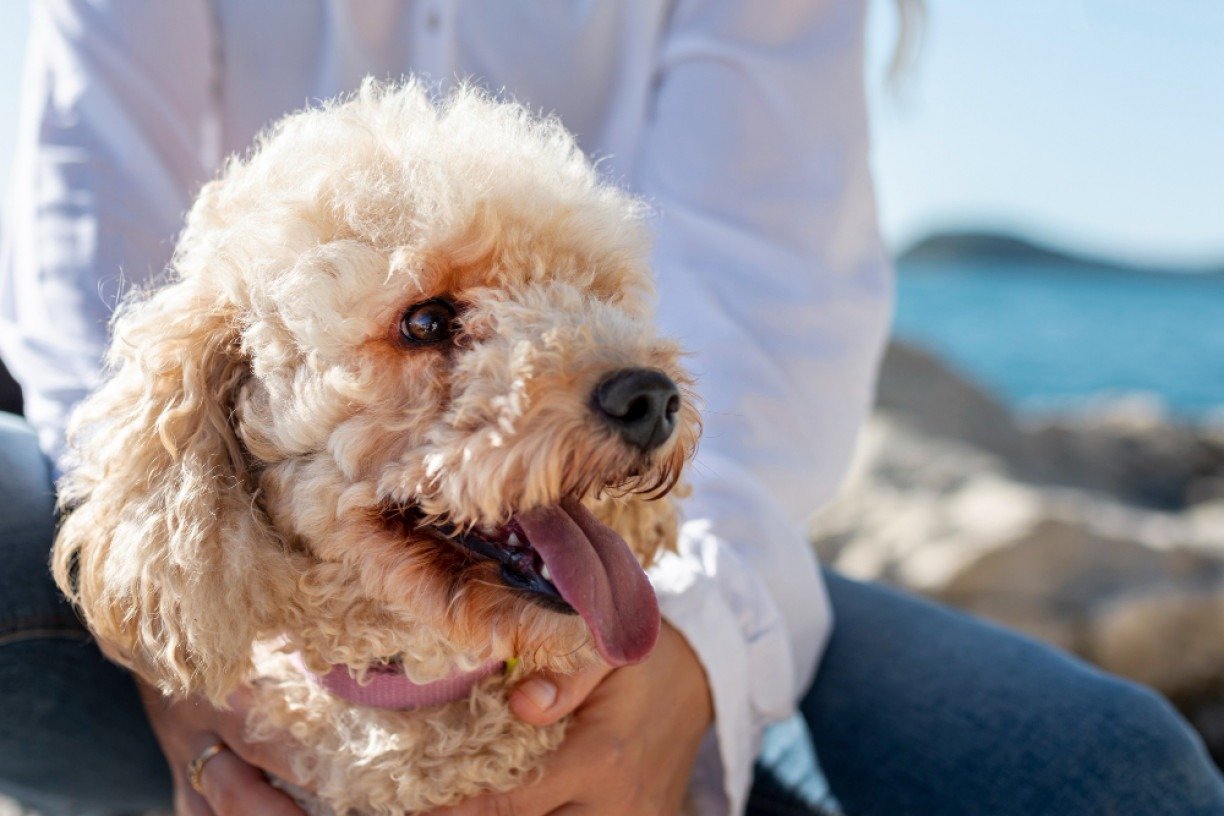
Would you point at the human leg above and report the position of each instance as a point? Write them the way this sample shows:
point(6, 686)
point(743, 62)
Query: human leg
point(73, 736)
point(918, 709)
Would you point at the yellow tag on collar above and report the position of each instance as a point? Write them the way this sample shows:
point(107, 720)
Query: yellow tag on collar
point(512, 664)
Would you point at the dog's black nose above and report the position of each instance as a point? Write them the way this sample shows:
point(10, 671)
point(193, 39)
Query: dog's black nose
point(641, 404)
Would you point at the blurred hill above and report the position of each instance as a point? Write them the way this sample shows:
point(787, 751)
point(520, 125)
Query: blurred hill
point(949, 247)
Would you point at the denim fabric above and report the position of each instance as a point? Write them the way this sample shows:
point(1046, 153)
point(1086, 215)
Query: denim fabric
point(919, 710)
point(916, 709)
point(73, 737)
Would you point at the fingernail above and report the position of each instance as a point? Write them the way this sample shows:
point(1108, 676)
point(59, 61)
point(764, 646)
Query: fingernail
point(541, 692)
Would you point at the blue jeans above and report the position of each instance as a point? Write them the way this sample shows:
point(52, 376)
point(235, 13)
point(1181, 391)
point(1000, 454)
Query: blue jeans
point(916, 709)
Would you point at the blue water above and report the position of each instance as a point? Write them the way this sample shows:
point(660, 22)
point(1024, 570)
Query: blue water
point(1045, 336)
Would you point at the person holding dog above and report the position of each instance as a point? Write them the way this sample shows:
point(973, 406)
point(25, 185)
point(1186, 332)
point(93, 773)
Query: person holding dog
point(747, 131)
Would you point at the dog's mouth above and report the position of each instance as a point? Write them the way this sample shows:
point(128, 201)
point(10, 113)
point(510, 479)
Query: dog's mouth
point(566, 560)
point(522, 568)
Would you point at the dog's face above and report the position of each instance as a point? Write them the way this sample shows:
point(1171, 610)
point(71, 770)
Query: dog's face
point(447, 408)
point(429, 339)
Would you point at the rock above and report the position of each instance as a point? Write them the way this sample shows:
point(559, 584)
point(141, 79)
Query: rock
point(1169, 638)
point(1125, 446)
point(1145, 458)
point(934, 399)
point(1102, 532)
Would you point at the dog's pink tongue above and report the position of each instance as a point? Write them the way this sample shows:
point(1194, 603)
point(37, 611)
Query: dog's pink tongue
point(594, 570)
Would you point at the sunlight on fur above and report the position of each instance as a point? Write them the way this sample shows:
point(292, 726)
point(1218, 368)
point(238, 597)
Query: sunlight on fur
point(274, 466)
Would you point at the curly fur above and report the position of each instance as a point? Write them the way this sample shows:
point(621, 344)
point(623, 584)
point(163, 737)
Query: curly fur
point(232, 476)
point(458, 750)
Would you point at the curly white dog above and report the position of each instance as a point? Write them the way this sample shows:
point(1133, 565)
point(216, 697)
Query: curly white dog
point(398, 430)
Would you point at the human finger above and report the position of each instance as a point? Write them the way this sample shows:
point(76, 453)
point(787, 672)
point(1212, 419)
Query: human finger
point(534, 800)
point(187, 802)
point(591, 759)
point(558, 785)
point(544, 698)
point(271, 755)
point(232, 787)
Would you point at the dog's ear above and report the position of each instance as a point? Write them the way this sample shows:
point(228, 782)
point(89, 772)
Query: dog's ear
point(163, 547)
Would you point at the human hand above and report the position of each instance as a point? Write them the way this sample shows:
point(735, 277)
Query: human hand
point(233, 780)
point(632, 743)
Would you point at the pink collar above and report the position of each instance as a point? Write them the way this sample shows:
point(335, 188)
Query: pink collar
point(389, 687)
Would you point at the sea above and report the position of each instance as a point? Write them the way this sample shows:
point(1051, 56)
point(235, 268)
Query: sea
point(1050, 336)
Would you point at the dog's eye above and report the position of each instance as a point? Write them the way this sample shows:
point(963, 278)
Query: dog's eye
point(428, 323)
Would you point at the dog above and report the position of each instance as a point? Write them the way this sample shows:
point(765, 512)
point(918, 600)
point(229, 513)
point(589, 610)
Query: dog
point(397, 430)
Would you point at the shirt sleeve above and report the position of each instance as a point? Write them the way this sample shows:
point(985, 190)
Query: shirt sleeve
point(112, 146)
point(771, 272)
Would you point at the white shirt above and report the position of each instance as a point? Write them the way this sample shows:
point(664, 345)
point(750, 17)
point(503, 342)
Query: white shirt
point(743, 123)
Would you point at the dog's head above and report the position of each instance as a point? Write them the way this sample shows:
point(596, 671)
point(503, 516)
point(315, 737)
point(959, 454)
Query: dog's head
point(403, 400)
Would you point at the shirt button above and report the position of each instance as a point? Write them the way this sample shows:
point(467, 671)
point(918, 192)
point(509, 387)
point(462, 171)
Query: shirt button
point(432, 21)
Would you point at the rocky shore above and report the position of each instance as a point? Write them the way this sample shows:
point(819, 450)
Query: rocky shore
point(1101, 531)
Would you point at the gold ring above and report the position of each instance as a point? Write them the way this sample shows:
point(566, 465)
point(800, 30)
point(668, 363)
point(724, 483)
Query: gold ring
point(195, 768)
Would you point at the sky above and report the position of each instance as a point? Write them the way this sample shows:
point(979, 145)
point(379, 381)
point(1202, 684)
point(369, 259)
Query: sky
point(1093, 125)
point(1096, 125)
